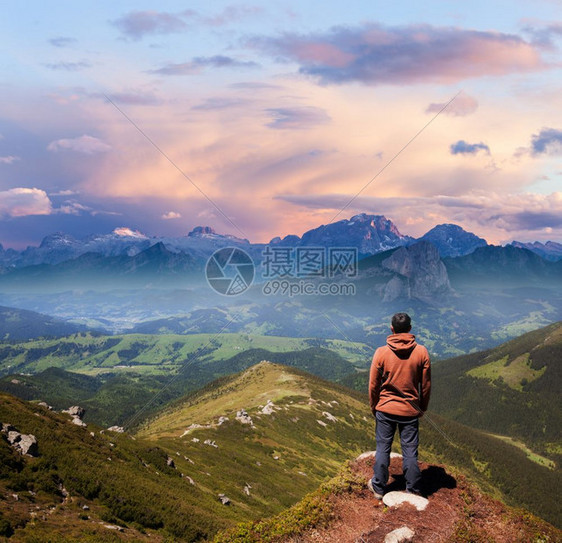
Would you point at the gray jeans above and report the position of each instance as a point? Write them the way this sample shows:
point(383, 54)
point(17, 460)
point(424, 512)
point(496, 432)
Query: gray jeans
point(409, 440)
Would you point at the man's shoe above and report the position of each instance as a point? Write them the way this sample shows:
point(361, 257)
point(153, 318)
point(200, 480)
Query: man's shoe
point(375, 493)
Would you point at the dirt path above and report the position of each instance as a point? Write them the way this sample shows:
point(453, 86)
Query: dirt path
point(457, 511)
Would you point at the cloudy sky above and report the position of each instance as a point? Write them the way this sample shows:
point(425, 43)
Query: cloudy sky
point(270, 118)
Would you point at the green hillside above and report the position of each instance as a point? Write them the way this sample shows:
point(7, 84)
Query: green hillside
point(123, 482)
point(153, 354)
point(512, 390)
point(312, 428)
point(299, 440)
point(116, 397)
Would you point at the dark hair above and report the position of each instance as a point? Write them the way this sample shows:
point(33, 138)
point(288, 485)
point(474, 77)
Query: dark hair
point(401, 323)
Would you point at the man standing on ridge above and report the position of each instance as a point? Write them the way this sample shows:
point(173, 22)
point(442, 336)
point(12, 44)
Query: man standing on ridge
point(399, 389)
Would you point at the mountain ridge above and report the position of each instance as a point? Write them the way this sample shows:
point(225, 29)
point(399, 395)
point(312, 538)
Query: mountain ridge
point(369, 233)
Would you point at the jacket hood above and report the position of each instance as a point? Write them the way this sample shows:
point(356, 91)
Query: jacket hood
point(401, 343)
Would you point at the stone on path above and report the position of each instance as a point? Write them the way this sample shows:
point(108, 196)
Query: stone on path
point(400, 535)
point(395, 499)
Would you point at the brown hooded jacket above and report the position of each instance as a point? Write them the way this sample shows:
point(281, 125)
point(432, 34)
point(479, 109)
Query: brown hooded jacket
point(400, 378)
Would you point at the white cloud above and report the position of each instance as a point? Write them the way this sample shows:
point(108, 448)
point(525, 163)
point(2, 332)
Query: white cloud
point(85, 144)
point(72, 208)
point(21, 201)
point(63, 193)
point(10, 159)
point(171, 215)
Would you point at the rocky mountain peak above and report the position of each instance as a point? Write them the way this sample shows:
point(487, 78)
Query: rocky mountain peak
point(370, 234)
point(57, 240)
point(378, 222)
point(200, 231)
point(452, 240)
point(419, 274)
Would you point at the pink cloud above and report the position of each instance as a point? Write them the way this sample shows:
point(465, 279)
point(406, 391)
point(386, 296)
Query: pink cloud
point(85, 144)
point(461, 106)
point(10, 159)
point(170, 215)
point(375, 54)
point(21, 201)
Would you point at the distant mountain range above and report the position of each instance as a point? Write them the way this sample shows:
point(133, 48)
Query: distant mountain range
point(370, 234)
point(489, 295)
point(549, 250)
point(128, 282)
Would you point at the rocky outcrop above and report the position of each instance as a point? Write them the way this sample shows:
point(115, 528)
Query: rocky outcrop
point(76, 412)
point(268, 408)
point(118, 429)
point(25, 444)
point(371, 454)
point(224, 500)
point(419, 274)
point(243, 417)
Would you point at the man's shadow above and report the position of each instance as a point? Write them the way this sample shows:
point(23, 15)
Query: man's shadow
point(433, 478)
